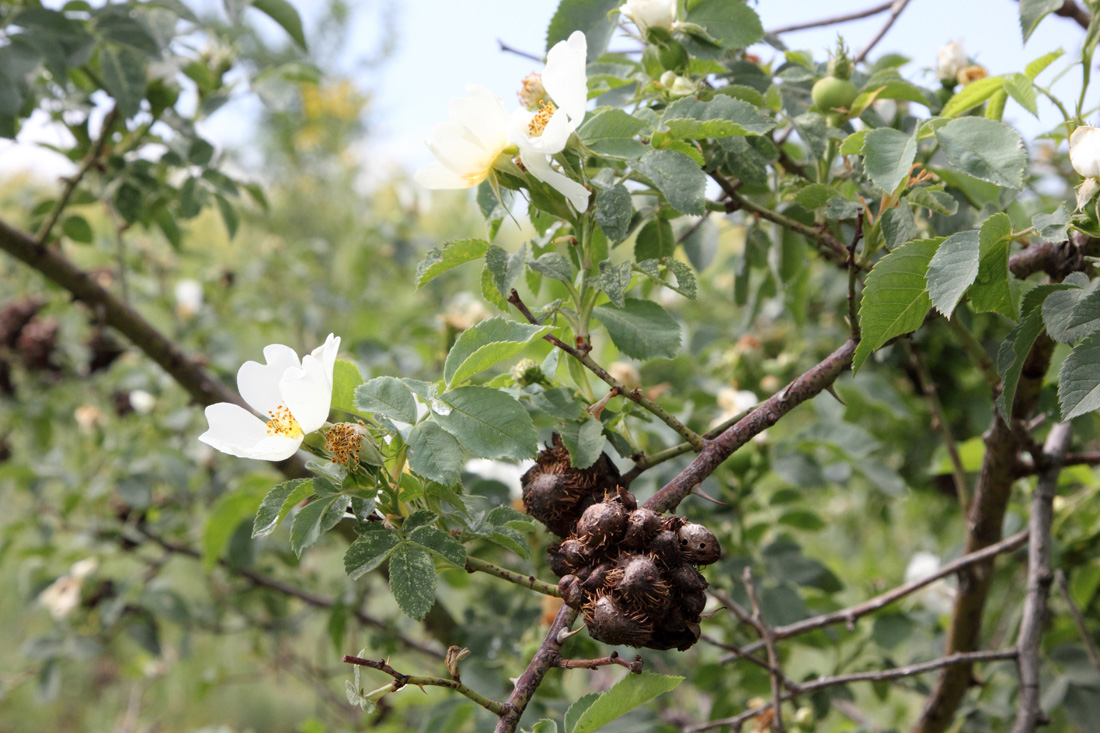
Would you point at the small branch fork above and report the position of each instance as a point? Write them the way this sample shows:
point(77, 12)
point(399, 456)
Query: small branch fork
point(546, 657)
point(896, 8)
point(843, 679)
point(835, 19)
point(768, 638)
point(401, 680)
point(1029, 713)
point(635, 395)
point(635, 666)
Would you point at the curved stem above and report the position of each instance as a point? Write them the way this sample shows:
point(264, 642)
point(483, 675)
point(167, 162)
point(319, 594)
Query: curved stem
point(401, 680)
point(477, 565)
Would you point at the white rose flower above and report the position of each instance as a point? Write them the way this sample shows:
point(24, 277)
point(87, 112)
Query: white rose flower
point(295, 396)
point(188, 297)
point(469, 143)
point(938, 596)
point(142, 402)
point(950, 61)
point(543, 132)
point(1084, 151)
point(650, 13)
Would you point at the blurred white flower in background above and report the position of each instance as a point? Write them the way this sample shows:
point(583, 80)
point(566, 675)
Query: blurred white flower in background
point(508, 474)
point(62, 596)
point(295, 396)
point(733, 402)
point(950, 61)
point(625, 373)
point(189, 297)
point(142, 402)
point(938, 596)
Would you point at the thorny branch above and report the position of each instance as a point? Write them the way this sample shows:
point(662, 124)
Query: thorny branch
point(545, 658)
point(401, 680)
point(1029, 713)
point(635, 395)
point(884, 675)
point(635, 666)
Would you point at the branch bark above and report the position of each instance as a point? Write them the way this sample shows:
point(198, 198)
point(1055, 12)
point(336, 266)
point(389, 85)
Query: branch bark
point(834, 20)
point(1029, 713)
point(767, 414)
point(546, 657)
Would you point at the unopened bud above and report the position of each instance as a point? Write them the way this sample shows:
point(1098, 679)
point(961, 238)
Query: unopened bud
point(527, 372)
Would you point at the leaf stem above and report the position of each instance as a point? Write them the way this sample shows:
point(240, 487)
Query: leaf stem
point(474, 564)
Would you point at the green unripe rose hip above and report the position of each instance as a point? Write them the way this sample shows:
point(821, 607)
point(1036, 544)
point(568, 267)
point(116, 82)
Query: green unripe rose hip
point(830, 93)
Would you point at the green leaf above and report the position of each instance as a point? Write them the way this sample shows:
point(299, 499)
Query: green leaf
point(225, 516)
point(630, 692)
point(853, 144)
point(486, 344)
point(453, 254)
point(985, 149)
point(1086, 316)
point(584, 439)
point(685, 278)
point(936, 201)
point(278, 503)
point(692, 119)
point(345, 379)
point(386, 396)
point(1033, 11)
point(230, 217)
point(894, 300)
point(1052, 227)
point(611, 133)
point(992, 289)
point(283, 13)
point(78, 229)
point(1014, 350)
point(733, 23)
point(748, 158)
point(678, 177)
point(368, 551)
point(888, 155)
point(434, 453)
point(123, 72)
point(898, 226)
point(1060, 308)
point(952, 270)
point(545, 726)
point(1036, 67)
point(641, 329)
point(412, 580)
point(655, 240)
point(614, 280)
point(576, 710)
point(1021, 88)
point(590, 16)
point(970, 96)
point(613, 212)
point(504, 268)
point(440, 544)
point(314, 519)
point(553, 265)
point(488, 423)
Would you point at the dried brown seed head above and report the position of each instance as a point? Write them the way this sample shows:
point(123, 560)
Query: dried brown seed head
point(666, 547)
point(602, 524)
point(611, 624)
point(571, 591)
point(641, 526)
point(686, 579)
point(698, 545)
point(575, 553)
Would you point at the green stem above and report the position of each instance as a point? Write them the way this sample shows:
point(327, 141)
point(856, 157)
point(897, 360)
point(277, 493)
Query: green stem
point(401, 680)
point(474, 564)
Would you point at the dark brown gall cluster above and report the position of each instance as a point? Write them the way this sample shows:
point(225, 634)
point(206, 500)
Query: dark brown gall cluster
point(630, 571)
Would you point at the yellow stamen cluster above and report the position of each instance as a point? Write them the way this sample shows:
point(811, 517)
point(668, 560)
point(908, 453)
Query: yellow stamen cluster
point(342, 442)
point(972, 74)
point(541, 119)
point(283, 423)
point(533, 94)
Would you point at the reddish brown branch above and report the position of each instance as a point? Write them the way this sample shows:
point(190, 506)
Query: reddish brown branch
point(635, 666)
point(896, 8)
point(760, 419)
point(545, 658)
point(401, 680)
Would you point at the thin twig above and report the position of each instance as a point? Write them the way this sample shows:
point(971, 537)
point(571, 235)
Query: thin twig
point(400, 680)
point(895, 11)
point(90, 160)
point(120, 250)
point(1079, 621)
point(635, 395)
point(939, 419)
point(834, 20)
point(474, 565)
point(635, 666)
point(877, 676)
point(849, 615)
point(519, 52)
point(1029, 712)
point(853, 279)
point(1027, 467)
point(832, 248)
point(544, 659)
point(769, 645)
point(307, 597)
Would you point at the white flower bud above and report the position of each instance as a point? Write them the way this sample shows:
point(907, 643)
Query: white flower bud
point(950, 61)
point(1084, 151)
point(188, 297)
point(650, 13)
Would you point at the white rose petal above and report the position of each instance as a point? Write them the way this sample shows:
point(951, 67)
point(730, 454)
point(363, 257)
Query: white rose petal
point(950, 61)
point(1084, 151)
point(650, 13)
point(469, 143)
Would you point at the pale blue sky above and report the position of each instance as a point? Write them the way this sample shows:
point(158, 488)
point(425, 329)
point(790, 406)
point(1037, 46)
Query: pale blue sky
point(443, 45)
